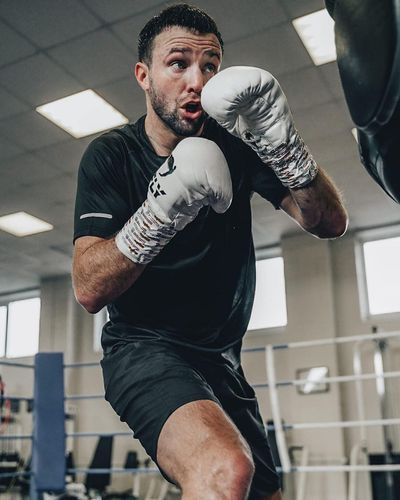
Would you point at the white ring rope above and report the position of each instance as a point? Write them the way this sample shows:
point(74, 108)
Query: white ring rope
point(339, 378)
point(346, 424)
point(337, 340)
point(344, 468)
point(276, 414)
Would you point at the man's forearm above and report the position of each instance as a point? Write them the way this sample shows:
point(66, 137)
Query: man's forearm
point(318, 207)
point(102, 273)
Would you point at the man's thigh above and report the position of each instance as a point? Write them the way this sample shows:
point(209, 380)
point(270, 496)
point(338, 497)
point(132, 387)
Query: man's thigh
point(146, 382)
point(196, 438)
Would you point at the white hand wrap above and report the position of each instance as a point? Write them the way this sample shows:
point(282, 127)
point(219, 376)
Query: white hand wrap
point(292, 162)
point(144, 235)
point(250, 104)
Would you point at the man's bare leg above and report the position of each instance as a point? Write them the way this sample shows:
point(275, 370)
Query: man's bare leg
point(201, 450)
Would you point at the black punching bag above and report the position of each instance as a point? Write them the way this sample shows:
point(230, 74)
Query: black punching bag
point(368, 57)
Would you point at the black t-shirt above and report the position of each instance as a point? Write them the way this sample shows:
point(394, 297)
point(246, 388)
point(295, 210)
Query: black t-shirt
point(199, 290)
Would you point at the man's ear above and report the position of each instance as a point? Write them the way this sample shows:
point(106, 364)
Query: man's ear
point(142, 75)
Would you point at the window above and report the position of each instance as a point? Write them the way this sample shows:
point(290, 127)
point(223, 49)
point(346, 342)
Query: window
point(381, 275)
point(269, 309)
point(19, 325)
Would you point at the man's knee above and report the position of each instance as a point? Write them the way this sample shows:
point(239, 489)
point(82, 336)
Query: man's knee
point(238, 469)
point(228, 472)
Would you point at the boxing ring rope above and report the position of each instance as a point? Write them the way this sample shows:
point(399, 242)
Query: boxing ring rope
point(16, 436)
point(337, 425)
point(272, 384)
point(343, 468)
point(98, 434)
point(14, 364)
point(339, 378)
point(323, 342)
point(115, 470)
point(91, 364)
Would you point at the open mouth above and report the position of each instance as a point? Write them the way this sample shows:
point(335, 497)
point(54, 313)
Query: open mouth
point(192, 110)
point(192, 107)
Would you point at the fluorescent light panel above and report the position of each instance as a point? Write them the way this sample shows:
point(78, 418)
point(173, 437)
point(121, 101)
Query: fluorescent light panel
point(316, 31)
point(82, 114)
point(23, 224)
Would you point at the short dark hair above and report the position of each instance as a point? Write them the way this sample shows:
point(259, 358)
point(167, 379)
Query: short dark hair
point(183, 15)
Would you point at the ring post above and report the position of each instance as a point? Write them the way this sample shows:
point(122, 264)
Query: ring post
point(48, 450)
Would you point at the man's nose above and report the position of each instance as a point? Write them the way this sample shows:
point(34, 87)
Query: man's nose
point(196, 80)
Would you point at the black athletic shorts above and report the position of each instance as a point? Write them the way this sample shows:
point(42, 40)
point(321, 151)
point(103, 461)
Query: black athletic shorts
point(146, 381)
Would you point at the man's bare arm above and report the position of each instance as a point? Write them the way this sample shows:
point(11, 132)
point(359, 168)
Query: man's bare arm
point(317, 207)
point(101, 273)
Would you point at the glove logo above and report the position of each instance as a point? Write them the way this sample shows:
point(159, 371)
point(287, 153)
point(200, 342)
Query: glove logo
point(171, 167)
point(155, 188)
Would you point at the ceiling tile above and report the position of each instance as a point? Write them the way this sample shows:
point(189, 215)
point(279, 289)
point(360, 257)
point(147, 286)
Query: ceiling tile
point(8, 149)
point(334, 147)
point(128, 30)
point(366, 202)
point(12, 45)
point(48, 22)
point(38, 80)
point(32, 131)
point(39, 199)
point(322, 121)
point(65, 156)
point(111, 12)
point(126, 96)
point(25, 170)
point(13, 279)
point(298, 8)
point(95, 59)
point(62, 213)
point(304, 88)
point(61, 235)
point(277, 50)
point(11, 200)
point(330, 74)
point(258, 15)
point(10, 105)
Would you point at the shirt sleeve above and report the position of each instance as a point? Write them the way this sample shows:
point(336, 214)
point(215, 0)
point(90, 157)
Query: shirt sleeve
point(101, 205)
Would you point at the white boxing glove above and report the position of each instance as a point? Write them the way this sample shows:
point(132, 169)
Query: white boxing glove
point(250, 104)
point(195, 175)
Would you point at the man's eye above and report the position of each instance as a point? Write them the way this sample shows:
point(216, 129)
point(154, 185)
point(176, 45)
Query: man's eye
point(211, 68)
point(178, 64)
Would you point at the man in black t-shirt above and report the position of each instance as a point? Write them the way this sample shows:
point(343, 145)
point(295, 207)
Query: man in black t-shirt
point(163, 238)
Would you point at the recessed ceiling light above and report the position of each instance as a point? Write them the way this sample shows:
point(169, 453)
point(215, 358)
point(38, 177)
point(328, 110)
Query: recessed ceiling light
point(82, 114)
point(316, 31)
point(23, 224)
point(354, 132)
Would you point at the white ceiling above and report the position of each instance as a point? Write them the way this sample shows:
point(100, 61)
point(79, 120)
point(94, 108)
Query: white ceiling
point(52, 48)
